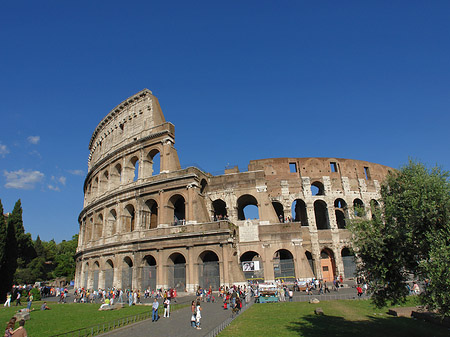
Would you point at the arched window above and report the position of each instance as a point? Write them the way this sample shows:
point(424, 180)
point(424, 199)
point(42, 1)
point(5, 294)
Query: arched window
point(148, 273)
point(299, 212)
point(358, 208)
point(247, 207)
point(278, 207)
point(154, 161)
point(151, 214)
point(219, 209)
point(129, 218)
point(112, 221)
point(321, 215)
point(177, 206)
point(317, 188)
point(203, 186)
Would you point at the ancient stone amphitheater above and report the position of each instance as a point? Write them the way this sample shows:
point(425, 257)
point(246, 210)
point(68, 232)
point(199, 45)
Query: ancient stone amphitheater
point(148, 222)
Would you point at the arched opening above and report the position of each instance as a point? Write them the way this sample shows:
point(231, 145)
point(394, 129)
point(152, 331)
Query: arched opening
point(203, 186)
point(135, 163)
point(150, 214)
point(129, 218)
point(278, 207)
point(98, 227)
point(317, 188)
point(116, 175)
point(219, 209)
point(177, 206)
point(149, 273)
point(154, 160)
point(358, 208)
point(299, 212)
point(109, 274)
point(127, 273)
point(321, 215)
point(177, 272)
point(95, 274)
point(247, 207)
point(283, 265)
point(104, 182)
point(327, 264)
point(253, 267)
point(348, 259)
point(209, 270)
point(86, 275)
point(375, 208)
point(310, 259)
point(112, 220)
point(340, 219)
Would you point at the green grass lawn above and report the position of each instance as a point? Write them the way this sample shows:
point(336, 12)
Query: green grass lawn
point(66, 317)
point(344, 318)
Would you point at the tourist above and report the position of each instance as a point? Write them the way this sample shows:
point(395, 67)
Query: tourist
point(44, 306)
point(29, 301)
point(155, 306)
point(20, 331)
point(198, 315)
point(8, 300)
point(18, 298)
point(193, 313)
point(359, 290)
point(10, 327)
point(166, 307)
point(291, 295)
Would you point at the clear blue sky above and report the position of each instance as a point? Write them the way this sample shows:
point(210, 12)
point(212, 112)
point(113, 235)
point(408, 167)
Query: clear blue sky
point(240, 80)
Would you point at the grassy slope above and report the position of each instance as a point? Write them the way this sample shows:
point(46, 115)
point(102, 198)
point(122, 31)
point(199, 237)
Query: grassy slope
point(67, 317)
point(344, 318)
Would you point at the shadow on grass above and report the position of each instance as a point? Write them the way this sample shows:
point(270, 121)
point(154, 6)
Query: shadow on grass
point(314, 326)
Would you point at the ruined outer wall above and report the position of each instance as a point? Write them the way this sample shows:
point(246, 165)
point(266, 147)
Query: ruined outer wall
point(134, 211)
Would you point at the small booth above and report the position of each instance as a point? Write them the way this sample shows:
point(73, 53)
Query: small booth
point(267, 293)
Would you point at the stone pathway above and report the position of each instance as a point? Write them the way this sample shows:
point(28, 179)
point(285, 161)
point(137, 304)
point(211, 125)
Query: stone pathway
point(178, 324)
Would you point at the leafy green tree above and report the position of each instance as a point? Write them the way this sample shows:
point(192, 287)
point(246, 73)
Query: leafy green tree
point(409, 237)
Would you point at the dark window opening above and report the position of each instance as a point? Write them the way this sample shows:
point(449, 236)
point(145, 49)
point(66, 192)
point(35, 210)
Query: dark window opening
point(367, 173)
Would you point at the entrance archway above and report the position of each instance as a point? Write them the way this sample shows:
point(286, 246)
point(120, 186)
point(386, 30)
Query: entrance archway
point(283, 265)
point(149, 273)
point(252, 266)
point(95, 275)
point(327, 264)
point(348, 259)
point(127, 273)
point(109, 274)
point(209, 270)
point(177, 272)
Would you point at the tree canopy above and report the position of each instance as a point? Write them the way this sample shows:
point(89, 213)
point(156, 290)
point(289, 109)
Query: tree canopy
point(408, 238)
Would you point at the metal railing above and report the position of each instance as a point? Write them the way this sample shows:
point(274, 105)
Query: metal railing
point(228, 321)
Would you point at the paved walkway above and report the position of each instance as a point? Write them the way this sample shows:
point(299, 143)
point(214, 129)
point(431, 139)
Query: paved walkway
point(178, 324)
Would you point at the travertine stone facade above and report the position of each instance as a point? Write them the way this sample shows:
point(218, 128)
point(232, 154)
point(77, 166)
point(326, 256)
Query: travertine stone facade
point(147, 222)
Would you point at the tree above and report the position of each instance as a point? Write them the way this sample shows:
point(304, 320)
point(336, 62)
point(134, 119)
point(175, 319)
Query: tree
point(25, 245)
point(8, 265)
point(409, 237)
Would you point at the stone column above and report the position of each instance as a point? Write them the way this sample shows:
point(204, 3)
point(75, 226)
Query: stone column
point(191, 280)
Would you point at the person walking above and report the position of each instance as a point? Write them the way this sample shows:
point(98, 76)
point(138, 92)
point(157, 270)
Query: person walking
point(8, 300)
point(29, 300)
point(18, 298)
point(166, 307)
point(155, 306)
point(198, 315)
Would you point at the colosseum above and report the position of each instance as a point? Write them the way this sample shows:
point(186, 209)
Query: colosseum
point(148, 222)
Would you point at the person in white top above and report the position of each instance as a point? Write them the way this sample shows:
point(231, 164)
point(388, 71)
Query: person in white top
point(166, 307)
